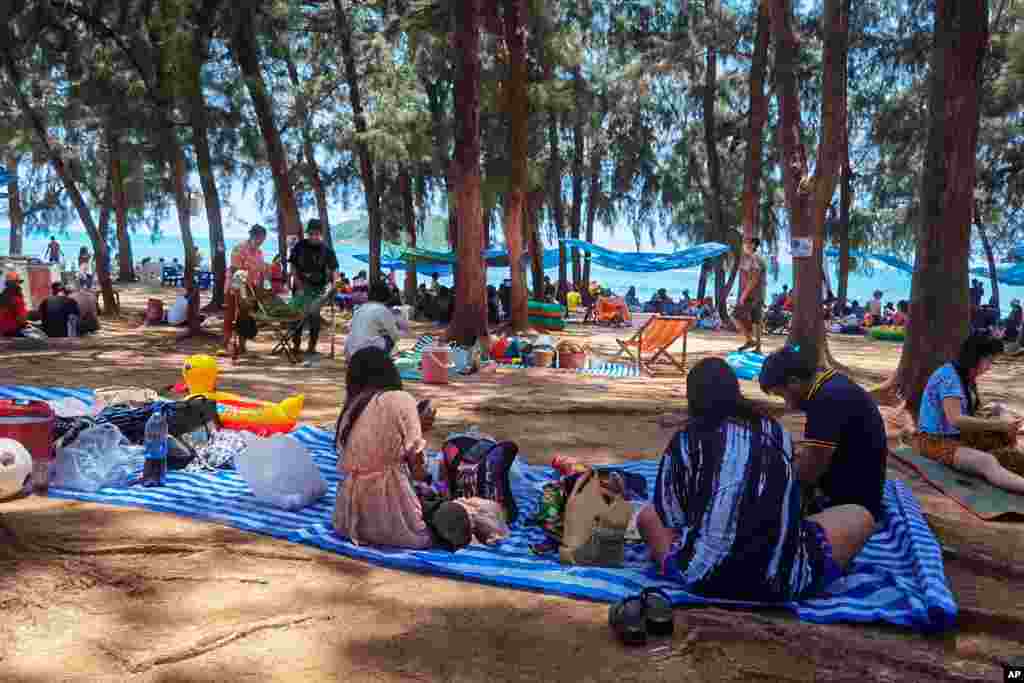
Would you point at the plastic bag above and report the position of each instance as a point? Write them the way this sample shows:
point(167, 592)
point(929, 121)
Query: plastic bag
point(101, 456)
point(281, 472)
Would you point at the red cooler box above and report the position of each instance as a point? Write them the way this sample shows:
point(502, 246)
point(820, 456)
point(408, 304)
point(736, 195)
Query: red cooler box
point(30, 423)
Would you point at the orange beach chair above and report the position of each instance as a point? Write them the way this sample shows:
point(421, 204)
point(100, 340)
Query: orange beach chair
point(654, 339)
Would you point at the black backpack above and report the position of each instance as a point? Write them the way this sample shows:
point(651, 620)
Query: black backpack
point(475, 465)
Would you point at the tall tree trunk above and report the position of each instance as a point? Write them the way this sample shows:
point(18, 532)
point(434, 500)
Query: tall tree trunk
point(990, 256)
point(517, 106)
point(244, 46)
point(311, 166)
point(409, 214)
point(845, 201)
point(534, 202)
point(98, 240)
point(939, 304)
point(211, 195)
point(710, 96)
point(125, 261)
point(557, 205)
point(174, 155)
point(808, 198)
point(579, 113)
point(365, 158)
point(14, 210)
point(469, 319)
point(592, 201)
point(755, 131)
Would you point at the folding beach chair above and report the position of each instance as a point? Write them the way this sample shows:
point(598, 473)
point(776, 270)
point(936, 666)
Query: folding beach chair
point(612, 311)
point(654, 340)
point(284, 325)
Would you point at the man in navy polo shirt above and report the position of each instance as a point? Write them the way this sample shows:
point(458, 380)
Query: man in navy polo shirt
point(845, 448)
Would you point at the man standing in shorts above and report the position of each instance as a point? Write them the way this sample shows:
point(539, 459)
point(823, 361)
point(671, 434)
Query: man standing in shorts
point(750, 307)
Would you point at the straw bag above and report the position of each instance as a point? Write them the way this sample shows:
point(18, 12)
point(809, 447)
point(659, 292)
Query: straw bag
point(595, 523)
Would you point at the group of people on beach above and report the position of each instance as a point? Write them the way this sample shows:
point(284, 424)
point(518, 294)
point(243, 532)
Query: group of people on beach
point(67, 312)
point(742, 510)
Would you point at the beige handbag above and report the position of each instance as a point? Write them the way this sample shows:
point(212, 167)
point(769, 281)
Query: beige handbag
point(595, 524)
point(130, 396)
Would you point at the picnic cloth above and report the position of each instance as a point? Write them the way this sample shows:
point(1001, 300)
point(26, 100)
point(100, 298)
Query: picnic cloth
point(408, 364)
point(977, 495)
point(898, 577)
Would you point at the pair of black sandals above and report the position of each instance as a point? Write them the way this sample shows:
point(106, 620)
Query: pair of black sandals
point(648, 613)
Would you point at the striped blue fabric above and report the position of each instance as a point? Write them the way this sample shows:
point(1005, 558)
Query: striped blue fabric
point(898, 578)
point(409, 364)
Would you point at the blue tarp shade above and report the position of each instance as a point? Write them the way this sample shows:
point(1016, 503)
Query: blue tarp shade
point(649, 262)
point(5, 177)
point(1016, 251)
point(1012, 276)
point(887, 259)
point(422, 267)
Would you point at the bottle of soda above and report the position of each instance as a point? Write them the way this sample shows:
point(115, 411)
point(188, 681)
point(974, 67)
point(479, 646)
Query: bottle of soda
point(154, 472)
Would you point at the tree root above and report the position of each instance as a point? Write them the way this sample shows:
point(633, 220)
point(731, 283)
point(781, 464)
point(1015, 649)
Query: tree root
point(217, 640)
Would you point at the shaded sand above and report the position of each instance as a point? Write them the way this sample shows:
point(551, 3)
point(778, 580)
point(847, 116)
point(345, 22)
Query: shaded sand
point(93, 593)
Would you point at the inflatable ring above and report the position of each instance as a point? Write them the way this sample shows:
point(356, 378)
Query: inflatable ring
point(888, 333)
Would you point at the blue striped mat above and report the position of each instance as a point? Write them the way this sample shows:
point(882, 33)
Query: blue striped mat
point(898, 578)
point(409, 364)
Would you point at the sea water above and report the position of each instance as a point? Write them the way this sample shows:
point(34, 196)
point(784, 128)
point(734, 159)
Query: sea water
point(894, 284)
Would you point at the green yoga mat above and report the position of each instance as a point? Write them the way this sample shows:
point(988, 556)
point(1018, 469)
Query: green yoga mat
point(987, 501)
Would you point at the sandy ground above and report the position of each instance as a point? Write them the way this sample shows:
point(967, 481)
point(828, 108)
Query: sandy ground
point(95, 593)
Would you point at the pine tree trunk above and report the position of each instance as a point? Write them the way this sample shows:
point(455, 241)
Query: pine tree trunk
point(702, 283)
point(311, 166)
point(67, 179)
point(409, 214)
point(557, 205)
point(709, 99)
point(469, 319)
point(14, 210)
point(808, 198)
point(244, 47)
point(592, 203)
point(845, 200)
point(577, 170)
point(365, 159)
point(755, 132)
point(534, 202)
point(517, 104)
point(103, 275)
point(990, 256)
point(939, 304)
point(204, 161)
point(125, 263)
point(174, 155)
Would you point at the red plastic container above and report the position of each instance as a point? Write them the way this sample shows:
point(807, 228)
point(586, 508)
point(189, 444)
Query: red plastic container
point(31, 423)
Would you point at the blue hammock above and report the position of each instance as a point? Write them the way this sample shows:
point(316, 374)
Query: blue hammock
point(495, 258)
point(5, 177)
point(649, 262)
point(1016, 252)
point(887, 259)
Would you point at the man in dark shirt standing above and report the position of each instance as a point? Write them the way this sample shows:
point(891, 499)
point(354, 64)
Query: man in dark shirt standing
point(845, 448)
point(56, 311)
point(313, 268)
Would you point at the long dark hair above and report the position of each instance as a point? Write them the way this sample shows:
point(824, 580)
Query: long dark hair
point(713, 396)
point(975, 348)
point(11, 290)
point(370, 372)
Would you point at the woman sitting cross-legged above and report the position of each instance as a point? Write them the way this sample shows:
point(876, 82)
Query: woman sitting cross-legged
point(726, 520)
point(380, 452)
point(949, 417)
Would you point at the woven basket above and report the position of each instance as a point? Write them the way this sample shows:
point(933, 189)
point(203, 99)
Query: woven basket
point(572, 360)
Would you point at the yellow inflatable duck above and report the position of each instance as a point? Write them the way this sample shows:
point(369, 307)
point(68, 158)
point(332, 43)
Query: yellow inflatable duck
point(238, 412)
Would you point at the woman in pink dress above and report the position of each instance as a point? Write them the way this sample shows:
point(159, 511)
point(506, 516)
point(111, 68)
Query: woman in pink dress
point(380, 450)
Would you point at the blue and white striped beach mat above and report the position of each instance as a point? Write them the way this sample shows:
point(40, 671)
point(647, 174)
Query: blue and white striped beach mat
point(409, 364)
point(897, 578)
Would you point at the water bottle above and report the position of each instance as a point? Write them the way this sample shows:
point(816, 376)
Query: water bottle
point(154, 472)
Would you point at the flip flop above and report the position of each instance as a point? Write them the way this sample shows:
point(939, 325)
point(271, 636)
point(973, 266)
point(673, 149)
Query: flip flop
point(626, 617)
point(657, 611)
